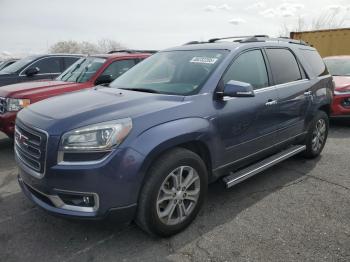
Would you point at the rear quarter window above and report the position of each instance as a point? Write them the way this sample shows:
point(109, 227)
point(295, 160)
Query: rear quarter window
point(315, 61)
point(284, 65)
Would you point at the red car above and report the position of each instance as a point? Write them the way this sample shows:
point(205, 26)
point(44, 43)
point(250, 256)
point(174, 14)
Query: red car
point(85, 73)
point(339, 68)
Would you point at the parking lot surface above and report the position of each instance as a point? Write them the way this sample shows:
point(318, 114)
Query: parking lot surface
point(298, 210)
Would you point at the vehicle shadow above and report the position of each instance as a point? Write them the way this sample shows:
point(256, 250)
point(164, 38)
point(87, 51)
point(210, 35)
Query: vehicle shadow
point(6, 153)
point(87, 240)
point(340, 128)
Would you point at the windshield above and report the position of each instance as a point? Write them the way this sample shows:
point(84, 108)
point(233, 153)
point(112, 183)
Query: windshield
point(172, 72)
point(13, 68)
point(82, 70)
point(338, 67)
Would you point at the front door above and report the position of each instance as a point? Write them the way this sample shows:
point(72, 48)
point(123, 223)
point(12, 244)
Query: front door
point(49, 68)
point(247, 125)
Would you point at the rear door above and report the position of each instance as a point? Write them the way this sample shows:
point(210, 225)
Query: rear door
point(293, 89)
point(247, 125)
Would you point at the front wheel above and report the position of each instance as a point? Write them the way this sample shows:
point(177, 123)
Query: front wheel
point(173, 193)
point(317, 135)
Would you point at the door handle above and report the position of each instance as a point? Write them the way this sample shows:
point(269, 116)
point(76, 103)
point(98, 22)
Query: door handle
point(308, 93)
point(271, 102)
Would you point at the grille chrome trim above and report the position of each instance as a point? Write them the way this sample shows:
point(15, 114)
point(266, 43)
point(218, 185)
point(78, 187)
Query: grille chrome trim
point(31, 149)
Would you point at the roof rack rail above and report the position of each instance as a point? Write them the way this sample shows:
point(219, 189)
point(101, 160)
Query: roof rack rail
point(290, 40)
point(213, 40)
point(131, 51)
point(195, 42)
point(251, 39)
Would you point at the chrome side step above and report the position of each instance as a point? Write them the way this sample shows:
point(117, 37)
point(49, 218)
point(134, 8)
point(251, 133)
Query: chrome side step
point(241, 175)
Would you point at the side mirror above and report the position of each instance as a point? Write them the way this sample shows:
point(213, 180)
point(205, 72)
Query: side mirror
point(32, 71)
point(103, 79)
point(237, 89)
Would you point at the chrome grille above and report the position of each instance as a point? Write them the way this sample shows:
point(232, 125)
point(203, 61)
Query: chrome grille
point(30, 148)
point(2, 105)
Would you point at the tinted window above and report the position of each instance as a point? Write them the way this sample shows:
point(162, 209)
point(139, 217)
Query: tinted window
point(315, 61)
point(284, 66)
point(68, 61)
point(118, 68)
point(48, 65)
point(250, 68)
point(338, 66)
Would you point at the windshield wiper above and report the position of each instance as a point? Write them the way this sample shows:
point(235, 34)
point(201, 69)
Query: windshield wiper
point(146, 90)
point(64, 78)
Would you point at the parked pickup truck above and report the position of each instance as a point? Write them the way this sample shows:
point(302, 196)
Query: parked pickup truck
point(85, 73)
point(146, 147)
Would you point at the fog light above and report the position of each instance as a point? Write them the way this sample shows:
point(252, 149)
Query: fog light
point(78, 200)
point(87, 200)
point(346, 102)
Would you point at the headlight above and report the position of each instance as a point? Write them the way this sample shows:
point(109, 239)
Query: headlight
point(14, 104)
point(98, 137)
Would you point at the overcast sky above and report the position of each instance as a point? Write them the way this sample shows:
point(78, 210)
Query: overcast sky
point(32, 26)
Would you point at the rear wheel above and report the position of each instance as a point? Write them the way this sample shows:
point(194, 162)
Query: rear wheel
point(317, 135)
point(173, 193)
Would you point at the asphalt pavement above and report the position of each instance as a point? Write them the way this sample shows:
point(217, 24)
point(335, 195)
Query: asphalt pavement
point(298, 210)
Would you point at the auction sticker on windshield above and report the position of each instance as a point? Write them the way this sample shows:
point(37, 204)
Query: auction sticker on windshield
point(204, 60)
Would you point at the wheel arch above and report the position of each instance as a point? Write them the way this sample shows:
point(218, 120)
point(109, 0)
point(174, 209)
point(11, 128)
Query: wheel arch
point(194, 134)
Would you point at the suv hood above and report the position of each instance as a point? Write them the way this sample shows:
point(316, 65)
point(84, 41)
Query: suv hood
point(28, 89)
point(63, 113)
point(342, 83)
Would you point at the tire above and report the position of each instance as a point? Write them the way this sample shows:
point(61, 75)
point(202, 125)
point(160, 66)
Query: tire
point(159, 195)
point(317, 135)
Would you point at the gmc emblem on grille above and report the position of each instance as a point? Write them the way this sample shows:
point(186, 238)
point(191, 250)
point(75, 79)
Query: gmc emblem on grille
point(21, 139)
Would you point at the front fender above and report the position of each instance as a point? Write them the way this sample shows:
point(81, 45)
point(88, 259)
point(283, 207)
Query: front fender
point(152, 142)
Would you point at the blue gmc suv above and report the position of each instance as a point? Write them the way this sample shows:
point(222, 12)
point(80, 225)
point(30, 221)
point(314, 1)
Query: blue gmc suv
point(146, 147)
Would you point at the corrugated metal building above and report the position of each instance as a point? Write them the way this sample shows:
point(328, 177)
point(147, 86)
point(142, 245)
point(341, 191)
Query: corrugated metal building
point(327, 42)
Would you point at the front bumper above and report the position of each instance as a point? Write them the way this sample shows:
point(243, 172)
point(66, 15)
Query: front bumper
point(122, 214)
point(7, 123)
point(338, 108)
point(115, 182)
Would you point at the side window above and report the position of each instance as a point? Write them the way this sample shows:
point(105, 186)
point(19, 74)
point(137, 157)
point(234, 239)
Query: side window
point(284, 66)
point(315, 61)
point(249, 67)
point(48, 65)
point(68, 61)
point(118, 68)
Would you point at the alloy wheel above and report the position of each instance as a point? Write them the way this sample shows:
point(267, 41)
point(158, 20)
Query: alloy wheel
point(178, 195)
point(319, 135)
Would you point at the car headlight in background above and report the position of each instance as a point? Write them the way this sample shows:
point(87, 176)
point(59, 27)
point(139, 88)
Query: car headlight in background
point(97, 137)
point(14, 104)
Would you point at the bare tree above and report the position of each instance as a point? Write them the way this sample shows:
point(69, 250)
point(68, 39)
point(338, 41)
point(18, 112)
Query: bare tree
point(299, 26)
point(103, 46)
point(106, 45)
point(73, 47)
point(330, 19)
